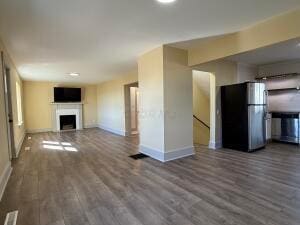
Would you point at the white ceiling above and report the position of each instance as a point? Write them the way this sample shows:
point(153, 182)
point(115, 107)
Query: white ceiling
point(101, 39)
point(282, 52)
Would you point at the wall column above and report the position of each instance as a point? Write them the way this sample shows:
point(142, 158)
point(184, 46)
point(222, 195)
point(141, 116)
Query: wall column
point(166, 104)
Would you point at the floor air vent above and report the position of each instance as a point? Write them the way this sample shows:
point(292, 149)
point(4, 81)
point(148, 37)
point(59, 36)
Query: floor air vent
point(11, 218)
point(138, 156)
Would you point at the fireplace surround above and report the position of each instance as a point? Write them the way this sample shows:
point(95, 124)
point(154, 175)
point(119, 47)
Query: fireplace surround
point(64, 111)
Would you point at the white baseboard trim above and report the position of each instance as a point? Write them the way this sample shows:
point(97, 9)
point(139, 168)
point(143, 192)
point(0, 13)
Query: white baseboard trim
point(153, 153)
point(32, 131)
point(4, 178)
point(167, 156)
point(112, 130)
point(19, 146)
point(215, 145)
point(179, 153)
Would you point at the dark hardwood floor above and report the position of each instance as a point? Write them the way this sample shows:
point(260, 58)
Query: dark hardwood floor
point(87, 177)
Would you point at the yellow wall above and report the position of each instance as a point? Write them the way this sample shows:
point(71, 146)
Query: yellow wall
point(111, 103)
point(4, 156)
point(223, 73)
point(19, 130)
point(277, 29)
point(201, 109)
point(39, 95)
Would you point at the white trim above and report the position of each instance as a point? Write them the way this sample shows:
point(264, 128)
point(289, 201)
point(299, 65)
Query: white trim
point(19, 146)
point(153, 153)
point(43, 130)
point(215, 145)
point(167, 156)
point(11, 218)
point(179, 153)
point(4, 178)
point(112, 130)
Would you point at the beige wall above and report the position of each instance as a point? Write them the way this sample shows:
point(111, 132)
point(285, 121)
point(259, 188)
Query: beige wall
point(178, 100)
point(150, 69)
point(246, 72)
point(201, 109)
point(277, 29)
point(111, 103)
point(37, 104)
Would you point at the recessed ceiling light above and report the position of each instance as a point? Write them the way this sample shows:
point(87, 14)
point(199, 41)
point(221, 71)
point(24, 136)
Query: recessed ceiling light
point(166, 1)
point(74, 74)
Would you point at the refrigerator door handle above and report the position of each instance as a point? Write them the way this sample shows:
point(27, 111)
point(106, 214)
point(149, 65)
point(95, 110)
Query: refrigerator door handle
point(266, 95)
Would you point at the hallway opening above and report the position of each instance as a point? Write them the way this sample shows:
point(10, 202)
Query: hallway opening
point(201, 107)
point(131, 109)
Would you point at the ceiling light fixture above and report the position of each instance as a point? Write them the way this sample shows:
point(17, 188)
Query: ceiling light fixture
point(74, 74)
point(166, 1)
point(298, 44)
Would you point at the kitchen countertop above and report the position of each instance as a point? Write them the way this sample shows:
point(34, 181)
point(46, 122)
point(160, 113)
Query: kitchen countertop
point(287, 115)
point(283, 112)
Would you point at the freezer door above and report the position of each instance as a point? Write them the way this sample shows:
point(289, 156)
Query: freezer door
point(256, 93)
point(256, 127)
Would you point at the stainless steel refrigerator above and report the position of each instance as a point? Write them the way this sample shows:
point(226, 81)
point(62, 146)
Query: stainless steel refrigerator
point(243, 116)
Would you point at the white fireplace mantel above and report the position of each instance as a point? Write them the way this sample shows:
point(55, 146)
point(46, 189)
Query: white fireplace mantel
point(60, 109)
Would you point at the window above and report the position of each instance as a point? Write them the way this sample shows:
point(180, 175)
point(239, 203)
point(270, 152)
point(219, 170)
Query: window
point(19, 104)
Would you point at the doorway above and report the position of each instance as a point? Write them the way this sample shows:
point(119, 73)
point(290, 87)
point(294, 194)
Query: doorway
point(201, 107)
point(8, 108)
point(131, 109)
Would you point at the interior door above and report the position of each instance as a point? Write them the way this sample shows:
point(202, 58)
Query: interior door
point(8, 109)
point(256, 126)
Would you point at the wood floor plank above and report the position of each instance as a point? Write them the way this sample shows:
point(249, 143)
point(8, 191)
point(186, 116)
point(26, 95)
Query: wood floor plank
point(86, 177)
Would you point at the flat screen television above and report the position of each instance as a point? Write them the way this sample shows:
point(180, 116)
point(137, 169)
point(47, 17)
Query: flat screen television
point(62, 94)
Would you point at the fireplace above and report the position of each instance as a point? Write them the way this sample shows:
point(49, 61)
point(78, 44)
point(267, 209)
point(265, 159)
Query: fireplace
point(67, 122)
point(66, 116)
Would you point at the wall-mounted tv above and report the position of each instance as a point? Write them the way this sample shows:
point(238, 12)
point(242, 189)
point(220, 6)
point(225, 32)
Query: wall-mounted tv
point(63, 94)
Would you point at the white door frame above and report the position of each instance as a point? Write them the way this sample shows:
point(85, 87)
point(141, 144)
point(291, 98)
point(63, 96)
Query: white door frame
point(8, 107)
